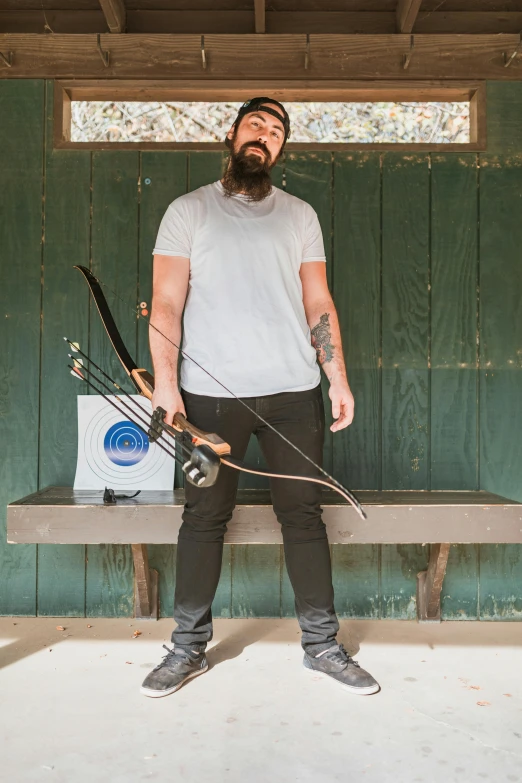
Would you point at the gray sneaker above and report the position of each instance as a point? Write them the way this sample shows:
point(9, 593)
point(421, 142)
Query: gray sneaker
point(336, 663)
point(177, 667)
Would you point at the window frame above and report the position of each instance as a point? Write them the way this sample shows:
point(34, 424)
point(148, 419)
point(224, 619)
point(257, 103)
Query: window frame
point(66, 91)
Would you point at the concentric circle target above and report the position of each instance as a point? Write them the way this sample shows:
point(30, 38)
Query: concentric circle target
point(125, 444)
point(118, 451)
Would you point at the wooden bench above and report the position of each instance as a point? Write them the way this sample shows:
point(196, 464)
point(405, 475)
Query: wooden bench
point(60, 515)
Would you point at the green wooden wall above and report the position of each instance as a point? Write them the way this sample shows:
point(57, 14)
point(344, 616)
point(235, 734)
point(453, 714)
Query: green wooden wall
point(425, 266)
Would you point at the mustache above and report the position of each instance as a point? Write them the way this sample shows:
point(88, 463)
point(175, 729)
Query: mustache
point(256, 144)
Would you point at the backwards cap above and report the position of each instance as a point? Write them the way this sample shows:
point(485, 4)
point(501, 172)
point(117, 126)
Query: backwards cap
point(257, 104)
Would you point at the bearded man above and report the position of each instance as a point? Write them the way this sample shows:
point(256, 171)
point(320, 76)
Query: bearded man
point(243, 263)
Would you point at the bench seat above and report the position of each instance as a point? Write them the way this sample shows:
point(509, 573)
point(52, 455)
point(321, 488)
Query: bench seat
point(61, 515)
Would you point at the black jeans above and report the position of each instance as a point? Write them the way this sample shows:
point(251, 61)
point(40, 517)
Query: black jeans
point(300, 417)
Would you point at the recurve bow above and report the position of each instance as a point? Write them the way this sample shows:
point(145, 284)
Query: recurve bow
point(143, 382)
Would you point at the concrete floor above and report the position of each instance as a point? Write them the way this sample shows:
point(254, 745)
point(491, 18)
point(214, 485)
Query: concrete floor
point(72, 712)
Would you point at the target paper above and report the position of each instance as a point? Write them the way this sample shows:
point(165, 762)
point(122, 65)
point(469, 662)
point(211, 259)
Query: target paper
point(114, 452)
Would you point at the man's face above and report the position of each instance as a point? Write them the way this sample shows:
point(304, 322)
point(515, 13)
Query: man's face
point(259, 135)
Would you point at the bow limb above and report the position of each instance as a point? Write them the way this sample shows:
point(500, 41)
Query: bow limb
point(141, 379)
point(237, 465)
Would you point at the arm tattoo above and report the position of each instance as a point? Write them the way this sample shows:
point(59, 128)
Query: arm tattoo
point(321, 339)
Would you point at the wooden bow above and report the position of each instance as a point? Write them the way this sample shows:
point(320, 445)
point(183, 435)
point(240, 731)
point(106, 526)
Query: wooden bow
point(143, 382)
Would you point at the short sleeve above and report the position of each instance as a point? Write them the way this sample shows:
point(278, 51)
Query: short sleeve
point(313, 249)
point(174, 234)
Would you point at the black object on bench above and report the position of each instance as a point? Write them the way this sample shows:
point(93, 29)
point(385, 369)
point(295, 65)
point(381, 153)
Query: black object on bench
point(60, 515)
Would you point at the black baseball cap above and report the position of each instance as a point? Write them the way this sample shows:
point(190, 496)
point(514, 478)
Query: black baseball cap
point(258, 104)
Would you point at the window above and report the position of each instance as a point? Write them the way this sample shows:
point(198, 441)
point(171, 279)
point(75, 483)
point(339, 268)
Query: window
point(318, 122)
point(363, 116)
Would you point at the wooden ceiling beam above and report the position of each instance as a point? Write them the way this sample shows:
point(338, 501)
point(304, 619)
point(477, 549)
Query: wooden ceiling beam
point(407, 11)
point(266, 56)
point(259, 14)
point(243, 22)
point(114, 12)
point(275, 5)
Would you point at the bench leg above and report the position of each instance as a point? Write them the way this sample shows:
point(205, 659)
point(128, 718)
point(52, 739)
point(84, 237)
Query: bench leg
point(145, 584)
point(429, 584)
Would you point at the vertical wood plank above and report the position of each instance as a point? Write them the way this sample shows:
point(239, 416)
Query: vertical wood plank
point(400, 564)
point(405, 314)
point(501, 432)
point(357, 296)
point(355, 570)
point(454, 428)
point(21, 163)
point(256, 581)
point(115, 252)
point(309, 177)
point(504, 116)
point(459, 598)
point(162, 557)
point(110, 571)
point(500, 270)
point(163, 178)
point(500, 580)
point(65, 310)
point(204, 168)
point(500, 324)
point(405, 428)
point(454, 322)
point(501, 365)
point(110, 581)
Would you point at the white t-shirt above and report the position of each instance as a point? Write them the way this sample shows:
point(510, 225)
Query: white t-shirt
point(244, 318)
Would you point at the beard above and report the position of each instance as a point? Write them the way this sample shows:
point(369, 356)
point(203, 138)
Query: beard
point(248, 172)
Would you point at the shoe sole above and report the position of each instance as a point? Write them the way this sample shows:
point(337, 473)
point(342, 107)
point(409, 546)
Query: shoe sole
point(158, 694)
point(368, 691)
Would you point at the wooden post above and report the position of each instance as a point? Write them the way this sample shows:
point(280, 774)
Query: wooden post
point(429, 584)
point(145, 584)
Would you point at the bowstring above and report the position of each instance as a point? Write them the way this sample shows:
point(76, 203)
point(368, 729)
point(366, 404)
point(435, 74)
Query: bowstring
point(136, 311)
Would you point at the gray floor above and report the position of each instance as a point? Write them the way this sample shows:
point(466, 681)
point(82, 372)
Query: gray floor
point(72, 711)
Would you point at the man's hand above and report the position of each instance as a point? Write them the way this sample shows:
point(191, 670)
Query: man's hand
point(343, 405)
point(170, 399)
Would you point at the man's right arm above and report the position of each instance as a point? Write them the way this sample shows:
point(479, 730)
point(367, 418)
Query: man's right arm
point(169, 292)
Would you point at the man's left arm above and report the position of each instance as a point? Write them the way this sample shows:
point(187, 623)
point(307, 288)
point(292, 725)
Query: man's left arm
point(326, 339)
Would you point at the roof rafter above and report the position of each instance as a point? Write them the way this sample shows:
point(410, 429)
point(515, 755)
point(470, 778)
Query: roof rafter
point(407, 11)
point(260, 18)
point(114, 12)
point(218, 21)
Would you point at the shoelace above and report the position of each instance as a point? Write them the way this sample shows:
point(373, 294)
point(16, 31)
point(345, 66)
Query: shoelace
point(172, 655)
point(341, 656)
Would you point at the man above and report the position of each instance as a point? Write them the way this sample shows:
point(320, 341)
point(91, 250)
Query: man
point(245, 262)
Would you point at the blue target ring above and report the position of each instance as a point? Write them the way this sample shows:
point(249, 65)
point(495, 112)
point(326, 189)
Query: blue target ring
point(125, 444)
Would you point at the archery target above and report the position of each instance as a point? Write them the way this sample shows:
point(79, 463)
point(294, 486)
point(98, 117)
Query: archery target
point(125, 443)
point(113, 451)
